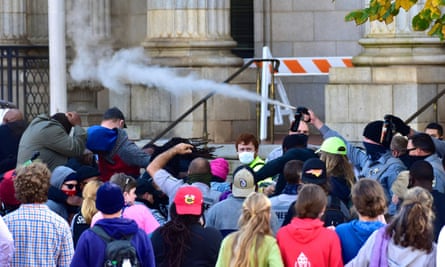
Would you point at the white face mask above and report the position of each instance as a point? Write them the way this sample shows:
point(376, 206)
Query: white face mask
point(246, 157)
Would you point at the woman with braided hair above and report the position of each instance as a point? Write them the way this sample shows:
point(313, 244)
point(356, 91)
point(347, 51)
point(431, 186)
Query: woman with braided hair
point(253, 244)
point(183, 241)
point(408, 240)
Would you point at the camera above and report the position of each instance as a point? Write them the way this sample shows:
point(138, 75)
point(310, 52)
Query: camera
point(298, 117)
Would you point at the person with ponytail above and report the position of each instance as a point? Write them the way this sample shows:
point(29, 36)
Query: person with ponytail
point(82, 220)
point(253, 244)
point(408, 240)
point(183, 241)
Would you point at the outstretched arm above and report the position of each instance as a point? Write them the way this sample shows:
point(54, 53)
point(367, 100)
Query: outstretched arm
point(162, 159)
point(315, 120)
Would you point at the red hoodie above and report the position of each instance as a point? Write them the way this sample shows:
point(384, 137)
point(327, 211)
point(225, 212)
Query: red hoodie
point(306, 243)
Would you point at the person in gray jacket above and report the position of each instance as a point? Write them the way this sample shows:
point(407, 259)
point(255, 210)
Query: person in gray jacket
point(225, 214)
point(117, 154)
point(50, 136)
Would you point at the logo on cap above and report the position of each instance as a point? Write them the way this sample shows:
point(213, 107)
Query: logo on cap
point(315, 172)
point(189, 199)
point(242, 183)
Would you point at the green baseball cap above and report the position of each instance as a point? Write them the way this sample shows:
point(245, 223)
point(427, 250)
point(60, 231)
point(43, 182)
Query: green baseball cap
point(333, 145)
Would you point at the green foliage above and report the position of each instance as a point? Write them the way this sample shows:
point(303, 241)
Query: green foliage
point(429, 17)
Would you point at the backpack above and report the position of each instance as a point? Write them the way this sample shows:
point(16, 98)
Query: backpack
point(119, 252)
point(333, 215)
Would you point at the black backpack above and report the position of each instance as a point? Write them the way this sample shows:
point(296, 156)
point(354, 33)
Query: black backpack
point(333, 215)
point(118, 251)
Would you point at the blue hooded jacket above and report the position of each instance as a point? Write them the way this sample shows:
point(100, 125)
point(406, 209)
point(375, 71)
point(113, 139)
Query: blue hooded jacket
point(90, 250)
point(353, 235)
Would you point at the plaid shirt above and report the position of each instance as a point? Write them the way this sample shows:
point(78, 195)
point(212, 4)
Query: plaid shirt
point(41, 237)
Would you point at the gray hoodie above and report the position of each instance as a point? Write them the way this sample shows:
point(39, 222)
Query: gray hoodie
point(57, 179)
point(397, 255)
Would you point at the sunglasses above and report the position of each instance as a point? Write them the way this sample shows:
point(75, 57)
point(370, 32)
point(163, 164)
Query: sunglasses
point(411, 149)
point(70, 186)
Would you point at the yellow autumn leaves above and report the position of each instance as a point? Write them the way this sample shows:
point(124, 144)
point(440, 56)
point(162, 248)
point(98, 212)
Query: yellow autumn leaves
point(430, 16)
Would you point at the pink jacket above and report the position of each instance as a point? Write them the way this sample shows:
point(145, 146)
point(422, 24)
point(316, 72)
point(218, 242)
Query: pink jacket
point(139, 213)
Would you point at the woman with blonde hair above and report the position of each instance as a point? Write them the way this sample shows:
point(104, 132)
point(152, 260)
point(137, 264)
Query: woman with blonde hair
point(254, 236)
point(82, 220)
point(408, 240)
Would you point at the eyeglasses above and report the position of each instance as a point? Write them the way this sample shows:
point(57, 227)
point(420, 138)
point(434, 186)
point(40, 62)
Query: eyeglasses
point(70, 186)
point(411, 149)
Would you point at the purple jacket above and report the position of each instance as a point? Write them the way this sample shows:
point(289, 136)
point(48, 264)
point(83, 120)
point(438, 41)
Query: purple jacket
point(90, 250)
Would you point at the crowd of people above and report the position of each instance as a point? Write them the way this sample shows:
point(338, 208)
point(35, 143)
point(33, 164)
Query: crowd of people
point(76, 197)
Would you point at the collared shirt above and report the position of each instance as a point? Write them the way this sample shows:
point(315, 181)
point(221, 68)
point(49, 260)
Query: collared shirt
point(41, 237)
point(6, 244)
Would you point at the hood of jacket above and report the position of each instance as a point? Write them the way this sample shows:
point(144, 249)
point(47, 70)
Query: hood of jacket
point(118, 227)
point(59, 175)
point(101, 139)
point(305, 230)
point(362, 230)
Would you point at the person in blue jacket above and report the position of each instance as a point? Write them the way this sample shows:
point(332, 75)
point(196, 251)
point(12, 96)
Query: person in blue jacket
point(369, 203)
point(91, 249)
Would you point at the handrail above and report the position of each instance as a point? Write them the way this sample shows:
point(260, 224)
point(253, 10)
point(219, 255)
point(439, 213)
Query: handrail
point(424, 107)
point(276, 64)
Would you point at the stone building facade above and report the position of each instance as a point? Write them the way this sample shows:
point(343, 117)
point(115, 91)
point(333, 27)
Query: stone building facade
point(195, 37)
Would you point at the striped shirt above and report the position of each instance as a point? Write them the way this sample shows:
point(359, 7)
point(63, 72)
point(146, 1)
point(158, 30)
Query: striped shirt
point(41, 237)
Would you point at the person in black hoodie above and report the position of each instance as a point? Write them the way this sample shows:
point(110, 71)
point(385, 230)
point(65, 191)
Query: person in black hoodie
point(183, 241)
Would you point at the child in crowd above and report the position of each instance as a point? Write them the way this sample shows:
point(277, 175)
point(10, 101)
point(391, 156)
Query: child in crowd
point(369, 203)
point(138, 212)
point(219, 168)
point(91, 248)
point(408, 240)
point(305, 240)
point(280, 203)
point(253, 244)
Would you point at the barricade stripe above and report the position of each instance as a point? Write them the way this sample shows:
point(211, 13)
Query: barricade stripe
point(322, 64)
point(294, 66)
point(348, 62)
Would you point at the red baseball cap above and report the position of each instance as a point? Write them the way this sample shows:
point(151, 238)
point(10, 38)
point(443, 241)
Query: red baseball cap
point(7, 191)
point(188, 201)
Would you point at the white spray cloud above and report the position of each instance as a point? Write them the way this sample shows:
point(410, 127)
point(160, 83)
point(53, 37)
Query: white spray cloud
point(96, 61)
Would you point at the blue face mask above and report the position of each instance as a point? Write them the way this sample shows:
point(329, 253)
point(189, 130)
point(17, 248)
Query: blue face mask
point(374, 151)
point(246, 157)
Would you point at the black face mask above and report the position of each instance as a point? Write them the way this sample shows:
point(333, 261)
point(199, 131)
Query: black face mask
point(409, 160)
point(374, 151)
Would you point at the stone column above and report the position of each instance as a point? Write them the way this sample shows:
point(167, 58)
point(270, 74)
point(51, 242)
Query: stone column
point(397, 73)
point(189, 33)
point(37, 18)
point(13, 22)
